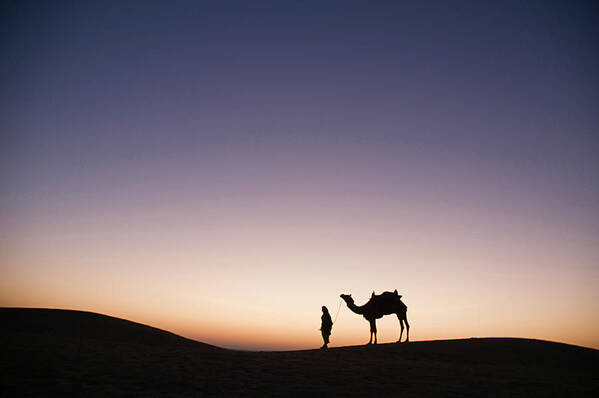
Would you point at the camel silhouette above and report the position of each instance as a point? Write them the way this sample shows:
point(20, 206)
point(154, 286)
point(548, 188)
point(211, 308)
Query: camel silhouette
point(383, 304)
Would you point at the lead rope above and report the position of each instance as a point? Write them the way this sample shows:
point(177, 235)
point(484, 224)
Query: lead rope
point(338, 309)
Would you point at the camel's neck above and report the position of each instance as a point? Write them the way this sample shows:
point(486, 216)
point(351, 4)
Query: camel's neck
point(358, 310)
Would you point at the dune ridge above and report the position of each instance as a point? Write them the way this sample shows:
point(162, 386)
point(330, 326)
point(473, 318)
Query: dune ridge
point(49, 352)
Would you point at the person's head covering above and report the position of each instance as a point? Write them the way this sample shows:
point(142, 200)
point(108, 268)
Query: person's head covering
point(325, 309)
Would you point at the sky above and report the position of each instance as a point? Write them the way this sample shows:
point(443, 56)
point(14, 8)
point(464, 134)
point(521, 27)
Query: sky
point(223, 169)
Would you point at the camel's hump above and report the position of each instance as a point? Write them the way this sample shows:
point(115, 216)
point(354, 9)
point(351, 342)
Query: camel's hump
point(386, 298)
point(389, 295)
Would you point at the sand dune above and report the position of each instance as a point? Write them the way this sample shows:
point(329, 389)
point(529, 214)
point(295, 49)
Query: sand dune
point(50, 352)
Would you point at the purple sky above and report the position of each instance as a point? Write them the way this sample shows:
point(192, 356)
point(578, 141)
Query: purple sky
point(461, 117)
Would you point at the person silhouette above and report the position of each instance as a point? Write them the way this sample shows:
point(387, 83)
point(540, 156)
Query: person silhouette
point(325, 326)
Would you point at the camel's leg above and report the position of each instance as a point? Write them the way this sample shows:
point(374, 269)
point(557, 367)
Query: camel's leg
point(372, 330)
point(401, 326)
point(405, 319)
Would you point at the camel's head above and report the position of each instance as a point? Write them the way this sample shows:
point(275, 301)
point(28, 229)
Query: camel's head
point(347, 297)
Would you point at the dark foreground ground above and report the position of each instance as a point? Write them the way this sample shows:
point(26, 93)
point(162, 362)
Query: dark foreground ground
point(57, 352)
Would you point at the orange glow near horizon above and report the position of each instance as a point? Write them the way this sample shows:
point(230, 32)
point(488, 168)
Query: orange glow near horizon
point(256, 288)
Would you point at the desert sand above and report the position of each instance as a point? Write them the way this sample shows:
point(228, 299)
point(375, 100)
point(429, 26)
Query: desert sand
point(60, 352)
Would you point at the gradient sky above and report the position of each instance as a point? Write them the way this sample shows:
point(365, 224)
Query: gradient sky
point(223, 169)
